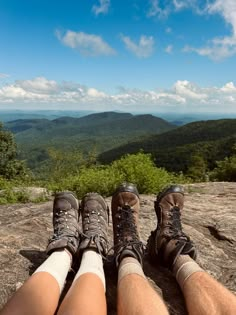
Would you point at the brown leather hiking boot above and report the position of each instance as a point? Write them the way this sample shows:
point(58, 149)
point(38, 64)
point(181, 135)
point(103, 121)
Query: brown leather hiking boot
point(65, 223)
point(168, 241)
point(95, 215)
point(125, 213)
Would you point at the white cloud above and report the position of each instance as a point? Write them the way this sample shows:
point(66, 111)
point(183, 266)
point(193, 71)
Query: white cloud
point(4, 75)
point(38, 85)
point(155, 9)
point(86, 44)
point(196, 5)
point(220, 47)
point(102, 8)
point(215, 52)
point(217, 48)
point(183, 96)
point(229, 88)
point(169, 49)
point(143, 49)
point(162, 8)
point(188, 90)
point(226, 8)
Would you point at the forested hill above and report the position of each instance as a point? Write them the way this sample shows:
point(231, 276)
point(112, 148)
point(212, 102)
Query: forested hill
point(99, 132)
point(107, 122)
point(213, 140)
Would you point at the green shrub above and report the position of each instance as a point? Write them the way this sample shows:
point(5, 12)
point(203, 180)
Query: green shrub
point(98, 179)
point(13, 194)
point(4, 183)
point(141, 170)
point(138, 169)
point(225, 170)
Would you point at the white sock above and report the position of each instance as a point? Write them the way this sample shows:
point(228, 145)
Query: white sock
point(57, 265)
point(130, 265)
point(91, 263)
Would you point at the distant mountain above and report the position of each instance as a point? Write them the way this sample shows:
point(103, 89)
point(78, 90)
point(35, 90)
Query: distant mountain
point(107, 123)
point(99, 132)
point(180, 119)
point(173, 150)
point(10, 115)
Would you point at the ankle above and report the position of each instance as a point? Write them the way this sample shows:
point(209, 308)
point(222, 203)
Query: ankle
point(183, 268)
point(91, 263)
point(128, 266)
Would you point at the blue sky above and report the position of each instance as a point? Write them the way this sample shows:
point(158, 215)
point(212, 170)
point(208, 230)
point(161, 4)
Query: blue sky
point(133, 55)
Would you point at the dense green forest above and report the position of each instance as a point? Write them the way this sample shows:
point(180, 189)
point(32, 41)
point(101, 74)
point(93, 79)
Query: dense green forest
point(177, 149)
point(92, 133)
point(55, 155)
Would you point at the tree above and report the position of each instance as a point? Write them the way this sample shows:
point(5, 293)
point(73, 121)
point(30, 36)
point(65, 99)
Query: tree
point(197, 168)
point(225, 170)
point(64, 163)
point(10, 166)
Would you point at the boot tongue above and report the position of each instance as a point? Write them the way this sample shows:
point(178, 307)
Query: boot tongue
point(189, 250)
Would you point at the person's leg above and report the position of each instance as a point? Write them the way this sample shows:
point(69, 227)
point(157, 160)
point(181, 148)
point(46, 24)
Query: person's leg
point(172, 248)
point(203, 294)
point(87, 293)
point(40, 294)
point(135, 294)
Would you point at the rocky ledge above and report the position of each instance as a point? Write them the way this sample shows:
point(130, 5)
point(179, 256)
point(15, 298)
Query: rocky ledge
point(209, 217)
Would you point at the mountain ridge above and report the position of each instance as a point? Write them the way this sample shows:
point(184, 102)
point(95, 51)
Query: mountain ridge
point(101, 131)
point(190, 137)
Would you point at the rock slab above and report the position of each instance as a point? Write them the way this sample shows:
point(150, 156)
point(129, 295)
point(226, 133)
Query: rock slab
point(209, 217)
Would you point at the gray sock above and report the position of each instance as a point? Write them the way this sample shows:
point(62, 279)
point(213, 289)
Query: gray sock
point(184, 267)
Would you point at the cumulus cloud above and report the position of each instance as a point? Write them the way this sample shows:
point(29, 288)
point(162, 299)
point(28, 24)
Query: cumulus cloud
point(216, 48)
point(189, 90)
point(220, 47)
point(38, 85)
point(196, 5)
point(169, 49)
point(229, 88)
point(162, 8)
point(143, 49)
point(183, 96)
point(86, 44)
point(155, 9)
point(102, 7)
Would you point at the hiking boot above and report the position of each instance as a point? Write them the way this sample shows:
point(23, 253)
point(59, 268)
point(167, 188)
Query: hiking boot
point(125, 213)
point(65, 223)
point(168, 241)
point(95, 216)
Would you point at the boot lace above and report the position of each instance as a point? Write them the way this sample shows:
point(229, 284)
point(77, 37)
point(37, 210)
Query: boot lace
point(126, 228)
point(175, 225)
point(95, 228)
point(65, 225)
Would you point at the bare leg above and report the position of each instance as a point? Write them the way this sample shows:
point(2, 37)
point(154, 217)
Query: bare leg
point(203, 294)
point(40, 294)
point(135, 294)
point(89, 282)
point(78, 299)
